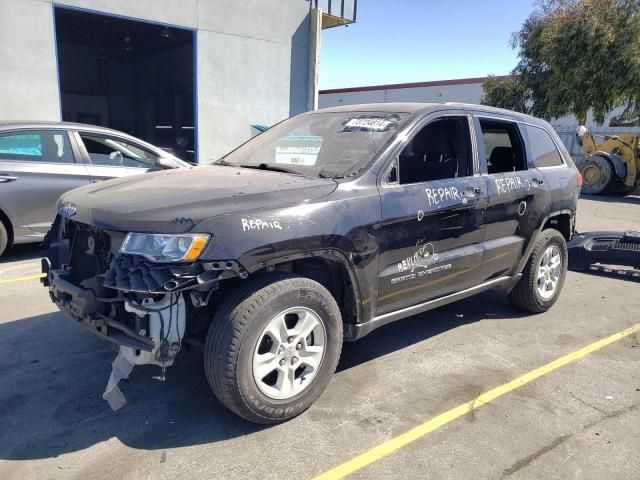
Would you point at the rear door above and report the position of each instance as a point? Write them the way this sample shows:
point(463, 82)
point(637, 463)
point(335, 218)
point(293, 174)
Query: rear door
point(36, 167)
point(548, 158)
point(518, 195)
point(433, 206)
point(111, 157)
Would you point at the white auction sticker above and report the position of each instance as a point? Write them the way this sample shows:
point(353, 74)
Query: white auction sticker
point(370, 123)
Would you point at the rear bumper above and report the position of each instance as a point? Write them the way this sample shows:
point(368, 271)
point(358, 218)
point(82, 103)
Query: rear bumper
point(609, 248)
point(84, 307)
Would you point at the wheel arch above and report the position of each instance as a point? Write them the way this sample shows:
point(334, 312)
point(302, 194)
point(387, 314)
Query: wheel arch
point(4, 218)
point(558, 220)
point(563, 221)
point(331, 269)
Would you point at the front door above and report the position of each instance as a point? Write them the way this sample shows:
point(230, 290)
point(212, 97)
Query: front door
point(433, 207)
point(112, 157)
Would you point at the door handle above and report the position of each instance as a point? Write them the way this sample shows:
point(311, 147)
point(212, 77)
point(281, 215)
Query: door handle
point(537, 181)
point(4, 178)
point(472, 192)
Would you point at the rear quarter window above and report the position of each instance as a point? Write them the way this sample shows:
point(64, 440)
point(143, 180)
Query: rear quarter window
point(543, 150)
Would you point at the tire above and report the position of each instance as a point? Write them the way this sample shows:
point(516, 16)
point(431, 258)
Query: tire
point(526, 295)
point(4, 238)
point(238, 338)
point(597, 174)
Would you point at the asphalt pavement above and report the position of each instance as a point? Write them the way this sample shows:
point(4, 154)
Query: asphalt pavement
point(579, 420)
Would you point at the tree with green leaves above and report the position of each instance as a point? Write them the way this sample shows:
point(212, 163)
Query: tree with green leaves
point(577, 55)
point(506, 92)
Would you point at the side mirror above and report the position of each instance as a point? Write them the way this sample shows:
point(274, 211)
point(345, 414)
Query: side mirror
point(165, 163)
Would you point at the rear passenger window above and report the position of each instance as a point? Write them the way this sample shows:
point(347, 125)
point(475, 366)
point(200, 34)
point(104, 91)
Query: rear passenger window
point(440, 150)
point(503, 146)
point(50, 147)
point(543, 150)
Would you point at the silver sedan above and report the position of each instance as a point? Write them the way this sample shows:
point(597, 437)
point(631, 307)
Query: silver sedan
point(40, 161)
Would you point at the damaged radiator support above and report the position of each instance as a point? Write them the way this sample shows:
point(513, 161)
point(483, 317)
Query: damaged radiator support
point(165, 321)
point(136, 274)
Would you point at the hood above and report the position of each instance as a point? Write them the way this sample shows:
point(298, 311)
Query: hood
point(173, 201)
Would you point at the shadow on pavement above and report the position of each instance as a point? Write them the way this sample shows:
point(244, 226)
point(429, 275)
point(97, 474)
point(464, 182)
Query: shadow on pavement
point(614, 272)
point(632, 198)
point(54, 372)
point(19, 253)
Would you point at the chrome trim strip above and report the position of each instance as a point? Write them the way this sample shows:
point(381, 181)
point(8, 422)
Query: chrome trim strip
point(405, 312)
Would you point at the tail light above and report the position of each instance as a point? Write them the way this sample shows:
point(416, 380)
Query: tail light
point(580, 180)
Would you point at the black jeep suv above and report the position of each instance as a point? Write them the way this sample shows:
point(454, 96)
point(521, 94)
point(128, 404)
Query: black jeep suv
point(319, 230)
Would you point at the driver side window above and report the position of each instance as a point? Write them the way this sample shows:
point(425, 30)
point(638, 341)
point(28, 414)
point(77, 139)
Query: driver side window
point(116, 153)
point(440, 150)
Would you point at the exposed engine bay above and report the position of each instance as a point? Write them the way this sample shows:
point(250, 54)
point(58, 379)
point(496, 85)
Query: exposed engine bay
point(132, 303)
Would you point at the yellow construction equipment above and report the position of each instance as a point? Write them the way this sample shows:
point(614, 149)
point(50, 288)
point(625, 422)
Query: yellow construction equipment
point(611, 166)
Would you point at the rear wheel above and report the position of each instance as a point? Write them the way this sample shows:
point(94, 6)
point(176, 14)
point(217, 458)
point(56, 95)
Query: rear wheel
point(544, 275)
point(273, 347)
point(4, 238)
point(597, 174)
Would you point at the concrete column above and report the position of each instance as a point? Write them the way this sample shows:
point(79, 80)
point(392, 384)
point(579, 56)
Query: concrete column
point(28, 71)
point(315, 38)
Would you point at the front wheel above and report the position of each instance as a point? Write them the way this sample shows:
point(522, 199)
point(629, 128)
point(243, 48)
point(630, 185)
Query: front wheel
point(544, 275)
point(273, 347)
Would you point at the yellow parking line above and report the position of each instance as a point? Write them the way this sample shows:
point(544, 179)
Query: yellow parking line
point(390, 446)
point(20, 279)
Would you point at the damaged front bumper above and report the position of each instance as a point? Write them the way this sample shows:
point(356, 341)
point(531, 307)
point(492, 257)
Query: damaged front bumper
point(126, 300)
point(83, 305)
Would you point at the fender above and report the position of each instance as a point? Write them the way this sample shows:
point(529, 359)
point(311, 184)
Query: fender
point(332, 255)
point(538, 231)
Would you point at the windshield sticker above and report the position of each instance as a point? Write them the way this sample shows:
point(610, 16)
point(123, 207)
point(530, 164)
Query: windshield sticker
point(298, 148)
point(370, 123)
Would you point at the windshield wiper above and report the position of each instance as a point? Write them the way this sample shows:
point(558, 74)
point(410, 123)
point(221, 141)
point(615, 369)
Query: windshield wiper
point(222, 162)
point(273, 168)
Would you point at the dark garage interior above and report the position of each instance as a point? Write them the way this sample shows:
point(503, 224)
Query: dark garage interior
point(133, 76)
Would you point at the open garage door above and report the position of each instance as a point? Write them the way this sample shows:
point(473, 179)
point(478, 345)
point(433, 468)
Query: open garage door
point(133, 76)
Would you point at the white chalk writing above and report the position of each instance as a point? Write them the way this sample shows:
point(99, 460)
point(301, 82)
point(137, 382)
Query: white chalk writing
point(436, 196)
point(421, 273)
point(403, 278)
point(421, 258)
point(510, 184)
point(257, 224)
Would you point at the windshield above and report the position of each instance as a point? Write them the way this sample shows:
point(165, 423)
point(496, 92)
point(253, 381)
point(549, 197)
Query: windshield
point(319, 144)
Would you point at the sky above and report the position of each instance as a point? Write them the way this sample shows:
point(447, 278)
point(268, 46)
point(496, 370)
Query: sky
point(422, 40)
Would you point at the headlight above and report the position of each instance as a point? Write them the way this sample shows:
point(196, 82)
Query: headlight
point(158, 247)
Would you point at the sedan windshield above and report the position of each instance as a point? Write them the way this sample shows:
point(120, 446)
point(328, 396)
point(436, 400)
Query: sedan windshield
point(319, 144)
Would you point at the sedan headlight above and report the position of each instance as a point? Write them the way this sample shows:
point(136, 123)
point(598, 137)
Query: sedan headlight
point(158, 247)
